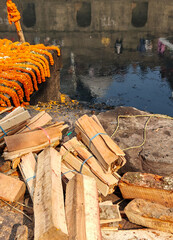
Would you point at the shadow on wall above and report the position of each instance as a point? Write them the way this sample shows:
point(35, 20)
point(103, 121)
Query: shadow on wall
point(139, 14)
point(83, 16)
point(29, 16)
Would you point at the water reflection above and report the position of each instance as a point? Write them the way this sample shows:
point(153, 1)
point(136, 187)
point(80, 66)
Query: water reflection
point(139, 79)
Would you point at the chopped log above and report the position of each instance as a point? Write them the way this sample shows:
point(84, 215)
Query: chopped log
point(82, 209)
point(150, 214)
point(49, 210)
point(28, 170)
point(6, 110)
point(32, 138)
point(15, 162)
point(78, 149)
point(76, 164)
point(17, 119)
point(11, 189)
point(112, 226)
point(147, 186)
point(39, 120)
point(137, 234)
point(13, 113)
point(101, 145)
point(109, 213)
point(36, 149)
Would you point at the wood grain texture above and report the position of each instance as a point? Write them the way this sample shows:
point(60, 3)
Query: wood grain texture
point(150, 214)
point(82, 210)
point(11, 189)
point(50, 222)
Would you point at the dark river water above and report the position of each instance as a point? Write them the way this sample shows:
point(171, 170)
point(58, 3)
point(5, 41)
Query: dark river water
point(143, 80)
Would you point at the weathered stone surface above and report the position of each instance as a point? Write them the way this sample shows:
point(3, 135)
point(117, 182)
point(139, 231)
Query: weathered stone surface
point(156, 155)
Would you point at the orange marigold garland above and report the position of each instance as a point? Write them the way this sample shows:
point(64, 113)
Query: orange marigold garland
point(13, 14)
point(25, 64)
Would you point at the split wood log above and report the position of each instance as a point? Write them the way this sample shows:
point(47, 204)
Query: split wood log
point(78, 149)
point(11, 189)
point(6, 110)
point(112, 226)
point(101, 145)
point(49, 210)
point(76, 164)
point(82, 209)
point(109, 213)
point(12, 113)
point(147, 186)
point(136, 234)
point(36, 149)
point(15, 162)
point(39, 120)
point(150, 214)
point(66, 174)
point(28, 170)
point(15, 120)
point(32, 138)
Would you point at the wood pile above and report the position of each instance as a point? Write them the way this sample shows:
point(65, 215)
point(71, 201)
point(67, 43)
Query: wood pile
point(67, 181)
point(76, 156)
point(107, 152)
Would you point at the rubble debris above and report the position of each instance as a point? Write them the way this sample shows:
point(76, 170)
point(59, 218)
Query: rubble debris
point(11, 189)
point(147, 186)
point(49, 210)
point(150, 214)
point(107, 152)
point(82, 209)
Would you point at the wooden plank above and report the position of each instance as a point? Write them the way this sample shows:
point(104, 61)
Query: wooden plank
point(11, 189)
point(15, 120)
point(80, 150)
point(147, 186)
point(150, 214)
point(31, 139)
point(82, 210)
point(39, 120)
point(28, 170)
point(76, 163)
point(139, 234)
point(49, 210)
point(15, 112)
point(16, 154)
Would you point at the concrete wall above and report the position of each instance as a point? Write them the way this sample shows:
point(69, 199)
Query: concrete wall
point(91, 23)
point(96, 15)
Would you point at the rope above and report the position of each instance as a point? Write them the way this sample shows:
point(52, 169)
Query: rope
point(145, 127)
point(97, 134)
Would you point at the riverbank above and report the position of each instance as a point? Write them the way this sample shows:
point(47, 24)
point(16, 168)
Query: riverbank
point(145, 138)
